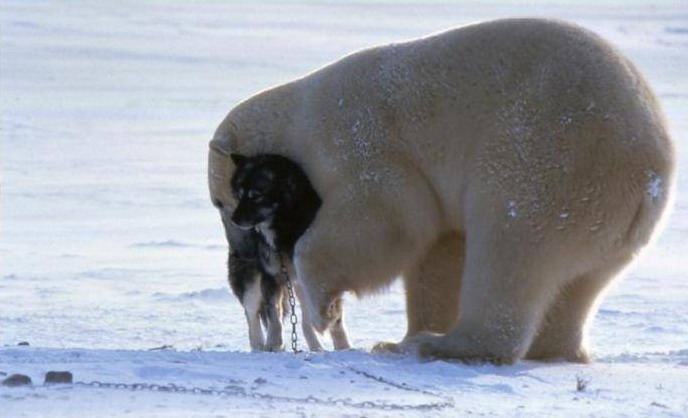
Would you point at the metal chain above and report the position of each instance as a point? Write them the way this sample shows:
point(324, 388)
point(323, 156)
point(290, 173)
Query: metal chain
point(292, 303)
point(401, 386)
point(235, 391)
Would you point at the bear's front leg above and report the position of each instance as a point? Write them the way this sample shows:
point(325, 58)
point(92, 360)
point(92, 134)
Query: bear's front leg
point(433, 287)
point(309, 334)
point(340, 338)
point(359, 246)
point(432, 290)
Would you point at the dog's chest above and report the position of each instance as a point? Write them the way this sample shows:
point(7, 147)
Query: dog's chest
point(268, 234)
point(269, 256)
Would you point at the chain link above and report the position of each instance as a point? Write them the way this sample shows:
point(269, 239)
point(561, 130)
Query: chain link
point(401, 386)
point(292, 303)
point(236, 391)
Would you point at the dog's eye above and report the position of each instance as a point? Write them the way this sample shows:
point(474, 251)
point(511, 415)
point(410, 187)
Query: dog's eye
point(254, 195)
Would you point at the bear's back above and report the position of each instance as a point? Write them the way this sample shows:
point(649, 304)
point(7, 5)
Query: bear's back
point(527, 107)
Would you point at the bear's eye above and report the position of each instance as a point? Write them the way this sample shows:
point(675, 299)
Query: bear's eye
point(255, 195)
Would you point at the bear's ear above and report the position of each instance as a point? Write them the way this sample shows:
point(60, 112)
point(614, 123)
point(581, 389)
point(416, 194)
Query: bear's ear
point(238, 159)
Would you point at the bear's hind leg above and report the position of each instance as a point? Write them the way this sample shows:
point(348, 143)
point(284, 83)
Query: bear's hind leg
point(563, 330)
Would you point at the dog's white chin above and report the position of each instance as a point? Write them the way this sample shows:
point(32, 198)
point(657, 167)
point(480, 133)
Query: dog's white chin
point(268, 233)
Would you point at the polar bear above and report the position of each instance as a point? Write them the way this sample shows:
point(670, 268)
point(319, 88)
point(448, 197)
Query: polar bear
point(507, 170)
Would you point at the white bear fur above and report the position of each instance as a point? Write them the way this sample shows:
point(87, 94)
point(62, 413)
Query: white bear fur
point(506, 170)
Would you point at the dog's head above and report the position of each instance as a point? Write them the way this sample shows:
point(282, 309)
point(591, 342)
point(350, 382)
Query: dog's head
point(262, 186)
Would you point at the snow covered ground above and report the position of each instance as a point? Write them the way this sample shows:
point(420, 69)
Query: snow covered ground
point(109, 246)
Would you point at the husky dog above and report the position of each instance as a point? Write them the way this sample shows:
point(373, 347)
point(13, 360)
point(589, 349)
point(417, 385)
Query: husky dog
point(276, 204)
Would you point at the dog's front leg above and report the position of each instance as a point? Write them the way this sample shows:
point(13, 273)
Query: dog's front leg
point(252, 300)
point(274, 315)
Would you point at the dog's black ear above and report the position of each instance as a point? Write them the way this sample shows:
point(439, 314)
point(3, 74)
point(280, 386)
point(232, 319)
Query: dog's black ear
point(238, 159)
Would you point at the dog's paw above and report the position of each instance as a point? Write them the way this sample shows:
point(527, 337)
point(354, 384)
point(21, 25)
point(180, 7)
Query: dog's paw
point(274, 348)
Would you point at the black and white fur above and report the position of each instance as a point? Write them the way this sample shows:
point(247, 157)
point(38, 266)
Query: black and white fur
point(276, 204)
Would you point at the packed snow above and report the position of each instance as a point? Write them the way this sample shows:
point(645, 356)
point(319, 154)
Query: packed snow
point(113, 259)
